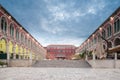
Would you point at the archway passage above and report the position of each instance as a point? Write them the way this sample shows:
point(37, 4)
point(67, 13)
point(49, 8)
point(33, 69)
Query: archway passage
point(11, 49)
point(3, 54)
point(116, 48)
point(3, 46)
point(21, 52)
point(16, 51)
point(117, 44)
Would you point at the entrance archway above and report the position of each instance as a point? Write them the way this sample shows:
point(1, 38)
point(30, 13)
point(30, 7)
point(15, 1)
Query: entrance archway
point(11, 49)
point(3, 52)
point(17, 51)
point(3, 45)
point(116, 44)
point(21, 52)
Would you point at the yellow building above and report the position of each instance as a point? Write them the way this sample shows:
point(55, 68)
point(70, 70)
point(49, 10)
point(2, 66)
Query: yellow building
point(16, 43)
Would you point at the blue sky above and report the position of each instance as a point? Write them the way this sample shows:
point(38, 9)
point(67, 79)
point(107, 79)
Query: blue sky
point(60, 21)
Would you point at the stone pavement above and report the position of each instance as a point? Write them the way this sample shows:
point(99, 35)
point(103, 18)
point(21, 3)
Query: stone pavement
point(22, 73)
point(62, 63)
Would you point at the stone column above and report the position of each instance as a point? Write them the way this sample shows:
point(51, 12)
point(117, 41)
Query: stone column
point(27, 54)
point(8, 55)
point(14, 54)
point(115, 56)
point(93, 56)
point(115, 59)
point(19, 53)
point(23, 54)
point(86, 58)
point(30, 59)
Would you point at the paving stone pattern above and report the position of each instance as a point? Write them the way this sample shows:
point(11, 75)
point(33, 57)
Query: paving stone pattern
point(22, 73)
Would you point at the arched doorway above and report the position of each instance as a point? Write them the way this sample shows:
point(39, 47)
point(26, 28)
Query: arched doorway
point(3, 52)
point(21, 52)
point(110, 55)
point(24, 55)
point(28, 54)
point(3, 45)
point(117, 43)
point(17, 51)
point(11, 49)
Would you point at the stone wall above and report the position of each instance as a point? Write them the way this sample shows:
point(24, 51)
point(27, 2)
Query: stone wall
point(20, 63)
point(117, 64)
point(104, 63)
point(3, 60)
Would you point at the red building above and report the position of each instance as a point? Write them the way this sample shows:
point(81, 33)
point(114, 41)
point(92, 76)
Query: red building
point(60, 51)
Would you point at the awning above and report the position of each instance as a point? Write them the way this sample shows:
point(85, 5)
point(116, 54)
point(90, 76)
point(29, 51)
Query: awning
point(114, 49)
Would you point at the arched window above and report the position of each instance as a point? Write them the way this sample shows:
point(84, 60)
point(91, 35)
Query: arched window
point(22, 37)
point(117, 26)
point(25, 40)
point(109, 31)
point(103, 34)
point(99, 37)
point(12, 30)
point(3, 24)
point(95, 40)
point(17, 34)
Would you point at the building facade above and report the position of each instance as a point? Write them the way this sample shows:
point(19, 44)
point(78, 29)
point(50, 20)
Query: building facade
point(15, 41)
point(105, 40)
point(60, 51)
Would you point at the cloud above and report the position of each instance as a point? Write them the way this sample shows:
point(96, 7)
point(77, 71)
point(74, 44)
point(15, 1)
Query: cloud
point(51, 27)
point(92, 10)
point(68, 41)
point(95, 6)
point(61, 21)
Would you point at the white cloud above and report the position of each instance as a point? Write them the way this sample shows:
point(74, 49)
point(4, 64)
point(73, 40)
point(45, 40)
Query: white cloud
point(95, 6)
point(65, 13)
point(91, 10)
point(70, 41)
point(51, 26)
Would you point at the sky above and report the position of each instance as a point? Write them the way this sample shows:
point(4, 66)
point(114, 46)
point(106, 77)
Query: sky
point(60, 21)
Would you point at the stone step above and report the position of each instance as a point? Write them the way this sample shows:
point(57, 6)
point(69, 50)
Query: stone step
point(62, 63)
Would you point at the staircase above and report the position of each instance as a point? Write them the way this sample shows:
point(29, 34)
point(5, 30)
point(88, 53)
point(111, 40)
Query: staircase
point(62, 63)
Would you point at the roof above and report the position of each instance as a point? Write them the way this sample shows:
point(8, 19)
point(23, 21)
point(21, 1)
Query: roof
point(118, 9)
point(17, 22)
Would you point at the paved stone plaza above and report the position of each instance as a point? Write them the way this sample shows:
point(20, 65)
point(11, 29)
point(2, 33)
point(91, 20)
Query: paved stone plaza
point(58, 74)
